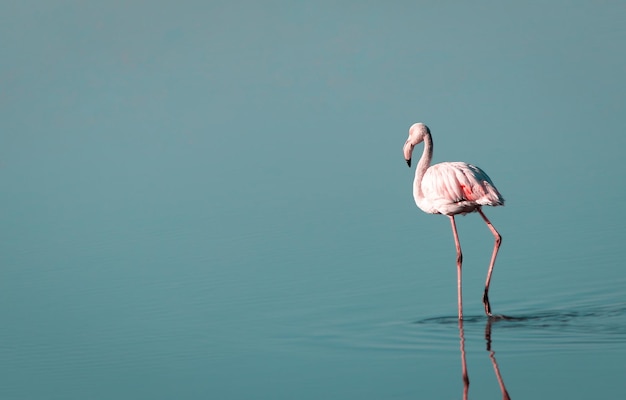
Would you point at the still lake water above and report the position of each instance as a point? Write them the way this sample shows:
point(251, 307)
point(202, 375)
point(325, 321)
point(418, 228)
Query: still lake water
point(211, 202)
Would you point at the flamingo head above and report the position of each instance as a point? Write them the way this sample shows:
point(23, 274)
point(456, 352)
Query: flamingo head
point(417, 132)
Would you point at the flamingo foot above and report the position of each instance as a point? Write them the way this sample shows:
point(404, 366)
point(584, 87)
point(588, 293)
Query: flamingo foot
point(486, 304)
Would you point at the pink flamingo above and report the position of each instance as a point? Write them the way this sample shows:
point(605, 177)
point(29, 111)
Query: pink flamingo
point(452, 188)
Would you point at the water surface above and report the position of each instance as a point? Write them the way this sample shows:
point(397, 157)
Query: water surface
point(210, 200)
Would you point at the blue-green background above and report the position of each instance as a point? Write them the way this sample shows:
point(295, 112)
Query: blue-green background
point(208, 199)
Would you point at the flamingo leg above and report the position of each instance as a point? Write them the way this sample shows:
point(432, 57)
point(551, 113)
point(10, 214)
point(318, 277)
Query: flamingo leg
point(459, 262)
point(496, 247)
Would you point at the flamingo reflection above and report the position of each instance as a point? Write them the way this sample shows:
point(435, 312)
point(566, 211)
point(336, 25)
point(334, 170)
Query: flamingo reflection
point(492, 357)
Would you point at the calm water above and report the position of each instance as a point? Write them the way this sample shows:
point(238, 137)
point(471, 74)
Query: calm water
point(210, 201)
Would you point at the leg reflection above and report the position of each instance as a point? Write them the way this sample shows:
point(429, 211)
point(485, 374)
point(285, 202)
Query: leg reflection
point(463, 361)
point(492, 356)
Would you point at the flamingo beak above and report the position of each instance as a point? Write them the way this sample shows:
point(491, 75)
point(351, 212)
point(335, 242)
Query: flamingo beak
point(408, 151)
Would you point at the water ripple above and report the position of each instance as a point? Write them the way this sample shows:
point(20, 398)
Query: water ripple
point(560, 330)
point(553, 330)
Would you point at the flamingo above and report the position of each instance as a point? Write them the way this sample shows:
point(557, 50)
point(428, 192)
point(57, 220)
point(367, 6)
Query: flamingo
point(452, 188)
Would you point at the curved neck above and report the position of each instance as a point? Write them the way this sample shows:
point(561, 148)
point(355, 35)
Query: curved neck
point(422, 166)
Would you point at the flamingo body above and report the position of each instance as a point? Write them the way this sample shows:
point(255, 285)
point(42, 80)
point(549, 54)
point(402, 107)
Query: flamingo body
point(452, 188)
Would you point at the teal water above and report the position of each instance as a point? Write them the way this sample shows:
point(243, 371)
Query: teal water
point(210, 200)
